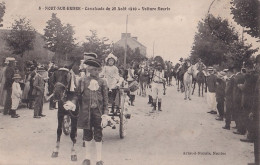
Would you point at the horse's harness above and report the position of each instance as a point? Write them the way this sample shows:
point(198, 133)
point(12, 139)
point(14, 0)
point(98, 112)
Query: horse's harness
point(64, 95)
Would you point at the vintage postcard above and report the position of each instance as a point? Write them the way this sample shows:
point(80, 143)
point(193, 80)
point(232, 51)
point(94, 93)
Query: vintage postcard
point(129, 82)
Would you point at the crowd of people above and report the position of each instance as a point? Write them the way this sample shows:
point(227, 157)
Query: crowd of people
point(233, 94)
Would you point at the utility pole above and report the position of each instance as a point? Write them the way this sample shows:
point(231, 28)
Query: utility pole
point(153, 49)
point(125, 43)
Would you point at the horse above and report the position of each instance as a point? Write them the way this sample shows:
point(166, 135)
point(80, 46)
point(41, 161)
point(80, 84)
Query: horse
point(168, 75)
point(63, 94)
point(187, 80)
point(143, 76)
point(180, 74)
point(199, 78)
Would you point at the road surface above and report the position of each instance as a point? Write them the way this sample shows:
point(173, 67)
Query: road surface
point(182, 134)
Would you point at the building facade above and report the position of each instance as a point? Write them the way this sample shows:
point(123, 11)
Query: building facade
point(132, 42)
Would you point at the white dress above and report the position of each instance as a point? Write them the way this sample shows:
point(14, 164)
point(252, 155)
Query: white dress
point(16, 95)
point(111, 75)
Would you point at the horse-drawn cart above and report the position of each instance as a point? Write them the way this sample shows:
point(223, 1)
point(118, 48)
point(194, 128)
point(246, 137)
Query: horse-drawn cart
point(118, 117)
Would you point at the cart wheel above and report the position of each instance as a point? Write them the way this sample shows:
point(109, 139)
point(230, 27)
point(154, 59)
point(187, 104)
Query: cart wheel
point(66, 125)
point(123, 120)
point(122, 128)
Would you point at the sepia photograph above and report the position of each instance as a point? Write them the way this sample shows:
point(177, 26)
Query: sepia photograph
point(129, 82)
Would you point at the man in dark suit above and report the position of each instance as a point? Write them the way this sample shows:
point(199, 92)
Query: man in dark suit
point(229, 98)
point(9, 74)
point(239, 78)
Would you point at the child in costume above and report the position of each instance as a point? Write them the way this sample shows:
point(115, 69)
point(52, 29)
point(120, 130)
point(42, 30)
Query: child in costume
point(93, 112)
point(111, 74)
point(16, 95)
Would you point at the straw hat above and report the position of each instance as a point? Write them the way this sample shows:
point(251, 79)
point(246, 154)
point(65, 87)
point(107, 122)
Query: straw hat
point(17, 76)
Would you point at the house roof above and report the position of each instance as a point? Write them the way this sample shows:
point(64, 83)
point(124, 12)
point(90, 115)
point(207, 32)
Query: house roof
point(132, 39)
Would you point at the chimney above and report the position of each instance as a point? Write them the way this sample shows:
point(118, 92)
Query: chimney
point(135, 38)
point(123, 35)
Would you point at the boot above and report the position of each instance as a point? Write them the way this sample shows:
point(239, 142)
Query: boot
point(13, 114)
point(150, 100)
point(160, 106)
point(154, 107)
point(86, 162)
point(132, 100)
point(226, 127)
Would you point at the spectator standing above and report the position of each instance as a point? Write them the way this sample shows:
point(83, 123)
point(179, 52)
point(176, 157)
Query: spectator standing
point(248, 89)
point(9, 74)
point(255, 113)
point(38, 92)
point(2, 82)
point(211, 94)
point(220, 95)
point(239, 78)
point(229, 98)
point(16, 95)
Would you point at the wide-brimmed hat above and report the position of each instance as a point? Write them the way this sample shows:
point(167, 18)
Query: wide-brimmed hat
point(8, 59)
point(17, 76)
point(111, 56)
point(91, 55)
point(93, 62)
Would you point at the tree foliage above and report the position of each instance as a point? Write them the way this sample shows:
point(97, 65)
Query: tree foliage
point(134, 57)
point(97, 45)
point(2, 12)
point(217, 43)
point(247, 14)
point(58, 37)
point(21, 37)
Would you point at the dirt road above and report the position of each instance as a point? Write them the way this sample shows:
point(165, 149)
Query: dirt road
point(182, 134)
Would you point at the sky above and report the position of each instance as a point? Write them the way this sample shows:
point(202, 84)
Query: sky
point(170, 31)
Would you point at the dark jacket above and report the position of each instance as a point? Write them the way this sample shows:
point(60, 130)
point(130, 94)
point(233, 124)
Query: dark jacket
point(220, 90)
point(237, 93)
point(211, 82)
point(229, 93)
point(100, 95)
point(248, 89)
point(38, 85)
point(9, 74)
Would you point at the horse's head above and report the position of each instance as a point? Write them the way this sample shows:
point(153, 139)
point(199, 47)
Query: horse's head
point(59, 91)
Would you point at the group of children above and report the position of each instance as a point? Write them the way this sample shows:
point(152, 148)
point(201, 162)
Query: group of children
point(97, 88)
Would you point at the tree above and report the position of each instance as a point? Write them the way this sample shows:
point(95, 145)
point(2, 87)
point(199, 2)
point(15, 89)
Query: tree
point(217, 43)
point(238, 53)
point(2, 12)
point(133, 56)
point(59, 38)
point(97, 45)
point(21, 37)
point(247, 14)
